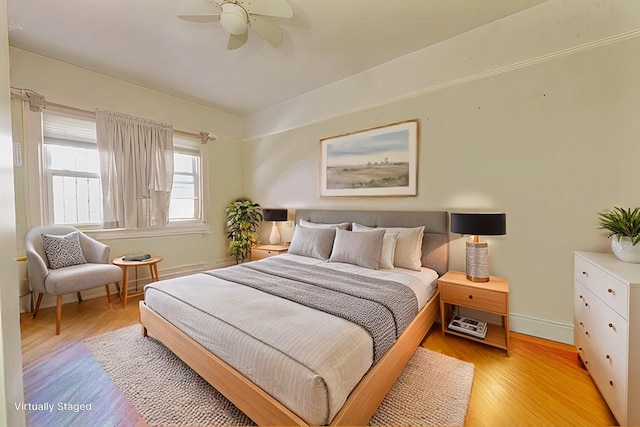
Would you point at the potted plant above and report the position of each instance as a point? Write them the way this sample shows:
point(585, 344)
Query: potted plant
point(624, 232)
point(243, 219)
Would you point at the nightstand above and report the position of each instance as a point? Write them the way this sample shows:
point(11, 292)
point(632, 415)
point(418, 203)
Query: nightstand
point(490, 297)
point(265, 251)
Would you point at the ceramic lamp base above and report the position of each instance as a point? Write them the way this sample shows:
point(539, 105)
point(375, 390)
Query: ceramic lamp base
point(477, 261)
point(274, 238)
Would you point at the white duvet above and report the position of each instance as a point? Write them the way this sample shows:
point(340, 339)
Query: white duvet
point(308, 360)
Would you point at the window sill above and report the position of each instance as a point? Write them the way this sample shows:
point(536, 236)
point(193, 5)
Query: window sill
point(169, 230)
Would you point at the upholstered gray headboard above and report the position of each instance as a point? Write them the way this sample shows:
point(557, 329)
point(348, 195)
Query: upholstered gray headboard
point(435, 244)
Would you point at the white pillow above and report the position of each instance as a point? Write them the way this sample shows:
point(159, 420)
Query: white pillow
point(408, 253)
point(361, 249)
point(307, 224)
point(388, 245)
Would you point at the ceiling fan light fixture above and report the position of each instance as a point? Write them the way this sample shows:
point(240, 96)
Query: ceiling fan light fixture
point(234, 18)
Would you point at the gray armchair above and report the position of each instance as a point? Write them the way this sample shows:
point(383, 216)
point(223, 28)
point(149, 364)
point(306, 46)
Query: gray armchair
point(97, 271)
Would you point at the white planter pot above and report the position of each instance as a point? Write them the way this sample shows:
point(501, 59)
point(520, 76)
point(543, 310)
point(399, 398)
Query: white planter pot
point(624, 250)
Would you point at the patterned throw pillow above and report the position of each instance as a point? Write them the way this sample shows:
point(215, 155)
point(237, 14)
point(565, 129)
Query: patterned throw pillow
point(63, 251)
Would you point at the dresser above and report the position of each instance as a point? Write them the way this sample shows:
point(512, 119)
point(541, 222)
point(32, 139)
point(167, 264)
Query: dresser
point(607, 329)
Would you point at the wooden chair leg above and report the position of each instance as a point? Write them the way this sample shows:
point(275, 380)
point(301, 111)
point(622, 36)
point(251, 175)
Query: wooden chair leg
point(108, 294)
point(35, 310)
point(58, 313)
point(79, 297)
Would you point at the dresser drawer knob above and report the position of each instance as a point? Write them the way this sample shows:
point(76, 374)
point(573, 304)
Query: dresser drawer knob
point(581, 324)
point(586, 333)
point(581, 297)
point(610, 290)
point(470, 296)
point(584, 273)
point(586, 304)
point(608, 357)
point(611, 383)
point(611, 325)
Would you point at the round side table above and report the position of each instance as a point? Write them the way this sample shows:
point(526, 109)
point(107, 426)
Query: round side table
point(153, 268)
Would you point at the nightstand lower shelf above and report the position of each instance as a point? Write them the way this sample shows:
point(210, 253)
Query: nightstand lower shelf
point(495, 337)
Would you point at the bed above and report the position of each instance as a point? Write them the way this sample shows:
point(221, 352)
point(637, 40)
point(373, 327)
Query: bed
point(277, 356)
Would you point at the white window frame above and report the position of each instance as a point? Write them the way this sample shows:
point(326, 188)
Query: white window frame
point(36, 193)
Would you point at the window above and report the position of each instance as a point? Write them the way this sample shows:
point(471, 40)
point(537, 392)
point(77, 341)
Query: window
point(72, 170)
point(186, 191)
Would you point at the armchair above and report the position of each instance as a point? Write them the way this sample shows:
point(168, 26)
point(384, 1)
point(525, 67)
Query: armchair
point(48, 275)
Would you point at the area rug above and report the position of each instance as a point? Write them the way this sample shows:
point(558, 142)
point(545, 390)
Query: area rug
point(433, 390)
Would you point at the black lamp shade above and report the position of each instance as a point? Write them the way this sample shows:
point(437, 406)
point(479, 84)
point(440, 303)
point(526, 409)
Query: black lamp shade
point(479, 224)
point(274, 214)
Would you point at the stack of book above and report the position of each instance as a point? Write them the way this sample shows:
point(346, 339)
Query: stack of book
point(465, 325)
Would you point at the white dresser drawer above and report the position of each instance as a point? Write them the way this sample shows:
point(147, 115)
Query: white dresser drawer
point(609, 289)
point(613, 393)
point(604, 321)
point(607, 329)
point(588, 336)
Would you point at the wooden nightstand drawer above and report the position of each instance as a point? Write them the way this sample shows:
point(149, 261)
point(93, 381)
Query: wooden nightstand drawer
point(471, 297)
point(266, 251)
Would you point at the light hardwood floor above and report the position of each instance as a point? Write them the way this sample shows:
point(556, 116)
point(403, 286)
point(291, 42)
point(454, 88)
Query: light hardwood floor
point(540, 384)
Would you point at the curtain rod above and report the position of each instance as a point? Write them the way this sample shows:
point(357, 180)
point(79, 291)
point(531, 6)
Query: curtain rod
point(204, 136)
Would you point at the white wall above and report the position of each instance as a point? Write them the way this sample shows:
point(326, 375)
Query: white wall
point(65, 84)
point(550, 142)
point(11, 391)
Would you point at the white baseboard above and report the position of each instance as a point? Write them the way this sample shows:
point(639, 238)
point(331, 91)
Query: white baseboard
point(542, 328)
point(528, 325)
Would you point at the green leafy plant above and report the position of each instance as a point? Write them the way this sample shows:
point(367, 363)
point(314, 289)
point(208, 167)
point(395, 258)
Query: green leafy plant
point(622, 223)
point(243, 219)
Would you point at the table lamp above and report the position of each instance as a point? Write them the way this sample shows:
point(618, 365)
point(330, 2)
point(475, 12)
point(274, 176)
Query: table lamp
point(274, 215)
point(478, 224)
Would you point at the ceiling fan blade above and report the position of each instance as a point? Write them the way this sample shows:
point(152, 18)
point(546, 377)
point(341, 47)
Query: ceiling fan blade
point(277, 8)
point(200, 18)
point(268, 30)
point(236, 41)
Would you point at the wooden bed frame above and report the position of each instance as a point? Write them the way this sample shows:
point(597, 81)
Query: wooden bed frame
point(366, 397)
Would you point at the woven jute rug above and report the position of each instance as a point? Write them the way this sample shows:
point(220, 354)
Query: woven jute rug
point(433, 390)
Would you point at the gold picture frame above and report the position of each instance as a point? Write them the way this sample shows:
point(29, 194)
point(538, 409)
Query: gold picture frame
point(380, 161)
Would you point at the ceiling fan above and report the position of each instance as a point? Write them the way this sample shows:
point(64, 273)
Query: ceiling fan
point(238, 15)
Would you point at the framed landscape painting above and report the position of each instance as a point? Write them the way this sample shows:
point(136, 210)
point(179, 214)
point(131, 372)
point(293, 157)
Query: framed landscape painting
point(375, 162)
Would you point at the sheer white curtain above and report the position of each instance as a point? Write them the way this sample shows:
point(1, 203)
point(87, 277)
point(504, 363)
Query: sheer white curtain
point(136, 170)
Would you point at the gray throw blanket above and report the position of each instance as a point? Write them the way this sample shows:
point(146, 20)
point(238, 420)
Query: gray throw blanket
point(383, 308)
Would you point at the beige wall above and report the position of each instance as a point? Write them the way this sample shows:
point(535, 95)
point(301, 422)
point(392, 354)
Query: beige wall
point(76, 87)
point(550, 144)
point(10, 354)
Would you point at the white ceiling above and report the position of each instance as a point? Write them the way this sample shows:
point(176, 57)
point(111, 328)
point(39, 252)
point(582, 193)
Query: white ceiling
point(143, 42)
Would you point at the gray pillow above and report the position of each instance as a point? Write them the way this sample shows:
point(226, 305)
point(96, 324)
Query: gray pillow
point(362, 249)
point(63, 251)
point(312, 242)
point(342, 225)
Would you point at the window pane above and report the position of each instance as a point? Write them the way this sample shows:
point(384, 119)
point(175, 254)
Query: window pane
point(184, 163)
point(183, 186)
point(182, 209)
point(76, 200)
point(61, 157)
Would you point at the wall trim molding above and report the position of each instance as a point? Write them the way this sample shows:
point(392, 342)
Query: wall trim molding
point(616, 38)
point(542, 328)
